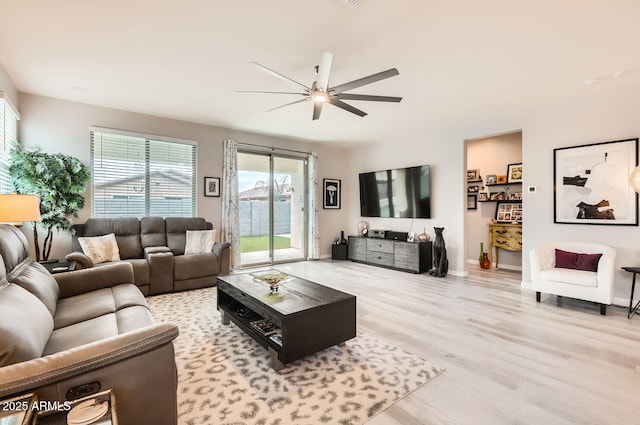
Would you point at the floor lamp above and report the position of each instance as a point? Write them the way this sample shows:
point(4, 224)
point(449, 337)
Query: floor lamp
point(16, 209)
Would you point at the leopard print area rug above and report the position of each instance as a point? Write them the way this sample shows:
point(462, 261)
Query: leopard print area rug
point(225, 377)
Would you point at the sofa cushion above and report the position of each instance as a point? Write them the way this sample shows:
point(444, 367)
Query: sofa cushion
point(93, 304)
point(33, 277)
point(194, 266)
point(100, 249)
point(152, 232)
point(177, 231)
point(576, 261)
point(99, 328)
point(14, 247)
point(199, 241)
point(126, 229)
point(25, 325)
point(570, 276)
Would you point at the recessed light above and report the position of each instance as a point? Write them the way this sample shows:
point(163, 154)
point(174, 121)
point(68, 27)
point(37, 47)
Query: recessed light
point(590, 82)
point(620, 74)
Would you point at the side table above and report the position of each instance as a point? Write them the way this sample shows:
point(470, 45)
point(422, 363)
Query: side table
point(632, 310)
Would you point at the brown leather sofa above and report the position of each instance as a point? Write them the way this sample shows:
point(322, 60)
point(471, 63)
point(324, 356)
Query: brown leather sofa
point(61, 332)
point(155, 246)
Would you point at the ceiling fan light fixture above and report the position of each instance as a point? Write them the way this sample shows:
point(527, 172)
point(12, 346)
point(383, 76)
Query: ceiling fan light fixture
point(320, 97)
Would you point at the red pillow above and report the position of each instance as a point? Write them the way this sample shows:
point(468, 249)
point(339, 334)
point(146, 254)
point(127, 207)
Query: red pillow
point(572, 260)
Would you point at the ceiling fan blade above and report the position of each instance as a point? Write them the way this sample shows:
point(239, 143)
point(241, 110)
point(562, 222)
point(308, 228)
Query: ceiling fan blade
point(271, 92)
point(346, 107)
point(324, 70)
point(364, 81)
point(278, 75)
point(351, 96)
point(317, 109)
point(291, 103)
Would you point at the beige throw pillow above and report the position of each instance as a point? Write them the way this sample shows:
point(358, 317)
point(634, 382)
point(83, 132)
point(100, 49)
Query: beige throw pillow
point(199, 241)
point(100, 249)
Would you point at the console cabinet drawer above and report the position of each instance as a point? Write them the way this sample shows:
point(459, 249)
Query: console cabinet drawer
point(380, 245)
point(381, 258)
point(406, 256)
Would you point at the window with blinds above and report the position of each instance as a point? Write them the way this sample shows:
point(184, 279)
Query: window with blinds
point(8, 140)
point(135, 176)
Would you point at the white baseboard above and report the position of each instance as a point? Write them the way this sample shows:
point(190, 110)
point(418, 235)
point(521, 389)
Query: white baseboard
point(502, 266)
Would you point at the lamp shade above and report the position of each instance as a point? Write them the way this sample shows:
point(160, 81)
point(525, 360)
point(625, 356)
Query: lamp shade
point(634, 179)
point(16, 208)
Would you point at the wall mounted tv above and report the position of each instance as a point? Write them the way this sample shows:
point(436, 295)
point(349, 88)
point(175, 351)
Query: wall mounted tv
point(402, 193)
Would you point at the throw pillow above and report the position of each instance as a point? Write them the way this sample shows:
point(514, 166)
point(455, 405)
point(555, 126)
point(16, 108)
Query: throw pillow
point(576, 261)
point(100, 249)
point(199, 241)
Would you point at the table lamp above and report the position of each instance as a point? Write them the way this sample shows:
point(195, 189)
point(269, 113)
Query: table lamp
point(15, 208)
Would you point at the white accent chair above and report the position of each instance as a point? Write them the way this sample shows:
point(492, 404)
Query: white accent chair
point(583, 285)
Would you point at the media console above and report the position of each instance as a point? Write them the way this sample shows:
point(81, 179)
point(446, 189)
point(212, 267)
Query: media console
point(412, 257)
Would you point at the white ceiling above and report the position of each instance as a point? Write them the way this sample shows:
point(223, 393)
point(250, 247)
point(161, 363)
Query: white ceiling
point(186, 59)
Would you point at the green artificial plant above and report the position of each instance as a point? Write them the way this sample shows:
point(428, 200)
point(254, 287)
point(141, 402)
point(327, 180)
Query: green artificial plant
point(58, 180)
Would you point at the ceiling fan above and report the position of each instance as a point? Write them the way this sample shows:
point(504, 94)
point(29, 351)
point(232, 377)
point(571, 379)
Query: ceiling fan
point(320, 92)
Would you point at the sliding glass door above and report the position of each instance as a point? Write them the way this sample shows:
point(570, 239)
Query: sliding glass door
point(272, 203)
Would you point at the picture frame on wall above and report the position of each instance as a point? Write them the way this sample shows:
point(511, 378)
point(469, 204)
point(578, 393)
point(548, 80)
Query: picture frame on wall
point(212, 186)
point(331, 189)
point(472, 202)
point(514, 173)
point(509, 212)
point(473, 175)
point(591, 183)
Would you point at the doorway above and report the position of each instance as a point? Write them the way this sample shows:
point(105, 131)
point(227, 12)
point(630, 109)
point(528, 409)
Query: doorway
point(272, 200)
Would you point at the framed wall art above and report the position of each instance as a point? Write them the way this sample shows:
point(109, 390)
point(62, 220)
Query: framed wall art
point(473, 175)
point(509, 212)
point(331, 194)
point(591, 183)
point(212, 186)
point(472, 202)
point(514, 173)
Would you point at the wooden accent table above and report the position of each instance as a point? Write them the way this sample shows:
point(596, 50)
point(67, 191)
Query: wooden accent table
point(505, 236)
point(311, 317)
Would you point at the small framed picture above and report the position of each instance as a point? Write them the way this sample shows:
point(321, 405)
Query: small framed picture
point(473, 189)
point(331, 194)
point(501, 179)
point(497, 196)
point(212, 186)
point(472, 202)
point(491, 179)
point(514, 173)
point(515, 196)
point(483, 196)
point(473, 176)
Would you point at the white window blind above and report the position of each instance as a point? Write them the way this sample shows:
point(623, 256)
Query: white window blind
point(135, 176)
point(8, 140)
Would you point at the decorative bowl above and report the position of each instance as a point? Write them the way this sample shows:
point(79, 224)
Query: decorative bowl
point(273, 278)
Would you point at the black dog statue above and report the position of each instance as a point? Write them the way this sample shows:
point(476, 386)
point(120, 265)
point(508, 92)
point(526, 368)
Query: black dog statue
point(440, 262)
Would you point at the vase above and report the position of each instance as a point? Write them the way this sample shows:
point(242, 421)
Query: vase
point(485, 263)
point(481, 252)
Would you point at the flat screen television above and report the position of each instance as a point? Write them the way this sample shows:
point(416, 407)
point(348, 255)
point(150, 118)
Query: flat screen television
point(401, 193)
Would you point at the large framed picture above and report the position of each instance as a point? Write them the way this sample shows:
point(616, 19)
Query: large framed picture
point(331, 194)
point(212, 186)
point(472, 202)
point(509, 212)
point(591, 183)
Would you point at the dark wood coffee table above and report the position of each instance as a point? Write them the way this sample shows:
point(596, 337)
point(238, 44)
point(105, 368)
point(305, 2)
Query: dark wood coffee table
point(311, 317)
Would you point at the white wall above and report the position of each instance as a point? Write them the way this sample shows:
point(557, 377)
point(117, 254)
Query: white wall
point(491, 156)
point(7, 86)
point(61, 126)
point(604, 112)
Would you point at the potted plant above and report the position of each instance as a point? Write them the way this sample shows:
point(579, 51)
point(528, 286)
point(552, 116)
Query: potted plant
point(58, 180)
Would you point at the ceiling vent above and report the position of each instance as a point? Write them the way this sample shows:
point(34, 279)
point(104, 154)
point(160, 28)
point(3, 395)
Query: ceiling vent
point(351, 4)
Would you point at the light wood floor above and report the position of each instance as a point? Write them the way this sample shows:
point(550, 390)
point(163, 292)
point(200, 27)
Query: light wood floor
point(508, 359)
